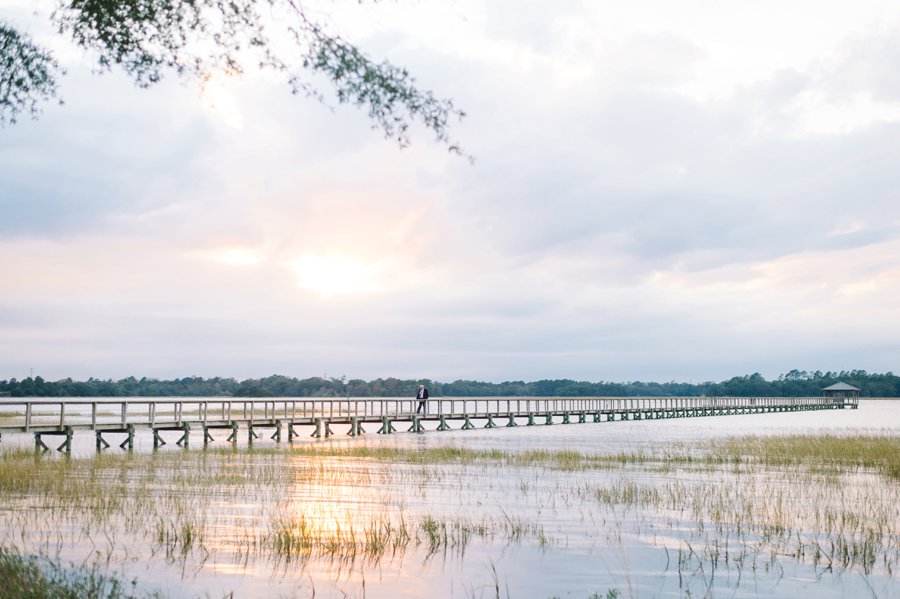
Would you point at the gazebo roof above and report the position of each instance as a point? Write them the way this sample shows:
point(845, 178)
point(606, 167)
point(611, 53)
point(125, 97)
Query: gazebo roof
point(840, 387)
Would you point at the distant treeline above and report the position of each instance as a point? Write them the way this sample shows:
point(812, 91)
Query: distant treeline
point(793, 384)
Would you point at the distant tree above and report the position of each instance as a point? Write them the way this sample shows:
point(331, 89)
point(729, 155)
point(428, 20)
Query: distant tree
point(196, 38)
point(872, 385)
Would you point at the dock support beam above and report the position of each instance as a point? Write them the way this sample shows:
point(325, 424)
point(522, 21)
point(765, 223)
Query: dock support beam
point(530, 419)
point(512, 420)
point(251, 434)
point(416, 425)
point(490, 422)
point(101, 442)
point(356, 428)
point(157, 440)
point(549, 418)
point(386, 427)
point(443, 426)
point(67, 444)
point(322, 428)
point(291, 432)
point(234, 432)
point(129, 440)
point(186, 435)
point(467, 425)
point(276, 436)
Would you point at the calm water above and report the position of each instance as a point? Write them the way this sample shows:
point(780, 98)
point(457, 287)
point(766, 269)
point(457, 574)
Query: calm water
point(532, 531)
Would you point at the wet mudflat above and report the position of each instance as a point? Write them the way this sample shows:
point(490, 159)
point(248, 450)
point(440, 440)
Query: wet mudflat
point(757, 505)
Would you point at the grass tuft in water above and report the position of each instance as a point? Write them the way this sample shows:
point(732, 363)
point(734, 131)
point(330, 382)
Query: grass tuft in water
point(28, 577)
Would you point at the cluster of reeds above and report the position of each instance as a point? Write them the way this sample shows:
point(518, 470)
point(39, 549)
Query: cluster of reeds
point(38, 577)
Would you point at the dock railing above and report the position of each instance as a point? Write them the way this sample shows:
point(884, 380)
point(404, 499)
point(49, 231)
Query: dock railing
point(31, 414)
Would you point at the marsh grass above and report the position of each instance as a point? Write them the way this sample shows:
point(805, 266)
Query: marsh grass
point(833, 452)
point(739, 504)
point(822, 453)
point(30, 577)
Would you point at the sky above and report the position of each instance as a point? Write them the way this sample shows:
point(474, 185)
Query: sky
point(669, 191)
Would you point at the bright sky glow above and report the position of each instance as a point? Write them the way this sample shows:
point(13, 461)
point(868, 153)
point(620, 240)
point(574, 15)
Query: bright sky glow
point(684, 190)
point(332, 275)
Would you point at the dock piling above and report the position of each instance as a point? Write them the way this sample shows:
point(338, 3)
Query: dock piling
point(276, 436)
point(128, 443)
point(186, 435)
point(416, 425)
point(386, 427)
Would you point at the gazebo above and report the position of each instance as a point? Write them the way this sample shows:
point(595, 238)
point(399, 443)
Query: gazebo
point(841, 391)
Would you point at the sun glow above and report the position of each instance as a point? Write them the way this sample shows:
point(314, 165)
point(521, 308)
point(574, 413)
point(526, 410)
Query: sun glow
point(222, 102)
point(333, 274)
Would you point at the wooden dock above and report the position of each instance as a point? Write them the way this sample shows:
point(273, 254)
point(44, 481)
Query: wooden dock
point(124, 416)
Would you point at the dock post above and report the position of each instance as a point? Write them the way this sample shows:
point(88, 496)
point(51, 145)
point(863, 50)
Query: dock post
point(101, 442)
point(67, 444)
point(530, 419)
point(356, 428)
point(322, 428)
point(443, 426)
point(251, 434)
point(490, 422)
point(386, 427)
point(206, 436)
point(186, 435)
point(39, 443)
point(234, 432)
point(276, 436)
point(549, 418)
point(416, 425)
point(291, 432)
point(129, 441)
point(512, 420)
point(467, 424)
point(157, 440)
point(582, 418)
point(566, 418)
point(597, 417)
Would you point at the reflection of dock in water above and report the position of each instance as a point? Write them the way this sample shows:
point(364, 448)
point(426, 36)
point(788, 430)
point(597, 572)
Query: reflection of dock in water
point(44, 417)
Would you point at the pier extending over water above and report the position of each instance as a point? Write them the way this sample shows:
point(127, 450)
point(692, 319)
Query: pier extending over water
point(123, 416)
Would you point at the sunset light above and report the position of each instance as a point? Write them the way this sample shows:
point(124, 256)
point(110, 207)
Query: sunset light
point(332, 274)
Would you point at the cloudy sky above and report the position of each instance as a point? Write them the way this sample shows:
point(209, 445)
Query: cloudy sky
point(681, 190)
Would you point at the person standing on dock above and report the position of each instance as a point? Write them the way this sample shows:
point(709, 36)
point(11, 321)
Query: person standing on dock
point(422, 395)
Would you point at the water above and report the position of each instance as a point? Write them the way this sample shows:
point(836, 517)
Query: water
point(533, 531)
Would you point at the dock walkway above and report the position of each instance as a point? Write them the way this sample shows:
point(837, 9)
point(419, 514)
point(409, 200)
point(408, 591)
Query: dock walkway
point(63, 417)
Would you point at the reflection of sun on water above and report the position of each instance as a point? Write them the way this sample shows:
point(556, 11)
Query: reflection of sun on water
point(333, 274)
